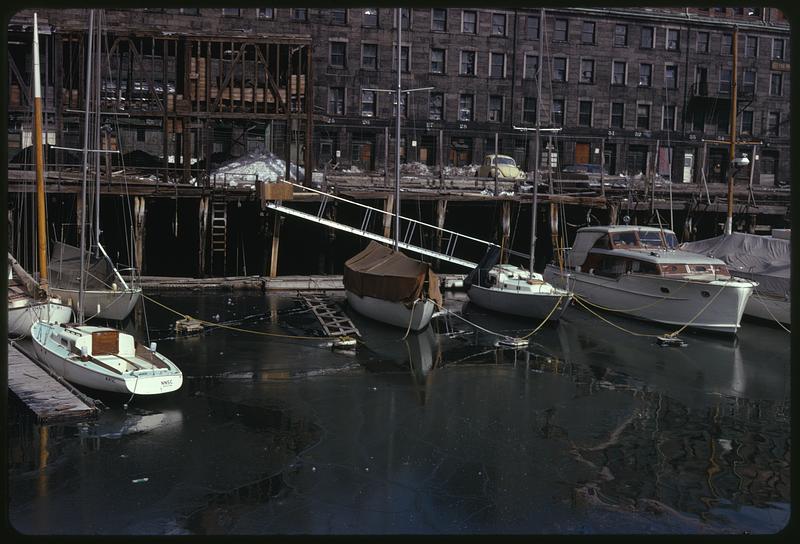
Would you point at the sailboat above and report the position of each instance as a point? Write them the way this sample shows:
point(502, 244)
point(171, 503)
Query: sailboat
point(28, 300)
point(512, 289)
point(100, 357)
point(384, 284)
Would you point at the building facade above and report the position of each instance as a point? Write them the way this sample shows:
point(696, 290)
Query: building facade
point(642, 90)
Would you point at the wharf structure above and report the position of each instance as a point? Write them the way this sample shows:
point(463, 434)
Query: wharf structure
point(644, 91)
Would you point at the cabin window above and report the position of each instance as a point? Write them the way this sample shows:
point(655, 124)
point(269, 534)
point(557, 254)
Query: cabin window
point(625, 239)
point(671, 240)
point(700, 269)
point(721, 270)
point(612, 267)
point(673, 269)
point(603, 242)
point(643, 267)
point(650, 238)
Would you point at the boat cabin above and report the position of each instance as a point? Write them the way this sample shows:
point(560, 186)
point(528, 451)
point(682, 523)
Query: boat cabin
point(614, 251)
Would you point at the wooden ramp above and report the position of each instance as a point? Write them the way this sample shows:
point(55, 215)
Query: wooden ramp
point(333, 320)
point(49, 397)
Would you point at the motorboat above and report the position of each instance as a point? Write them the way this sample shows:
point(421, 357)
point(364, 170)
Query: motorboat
point(513, 290)
point(390, 287)
point(765, 259)
point(103, 358)
point(638, 271)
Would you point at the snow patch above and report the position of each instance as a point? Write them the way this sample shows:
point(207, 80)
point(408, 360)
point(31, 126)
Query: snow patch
point(264, 166)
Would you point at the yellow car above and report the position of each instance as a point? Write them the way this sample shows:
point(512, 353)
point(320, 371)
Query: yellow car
point(505, 166)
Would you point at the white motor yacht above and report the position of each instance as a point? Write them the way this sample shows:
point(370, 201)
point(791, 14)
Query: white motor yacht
point(638, 271)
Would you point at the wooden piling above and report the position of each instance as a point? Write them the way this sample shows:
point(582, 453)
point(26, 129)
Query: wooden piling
point(276, 236)
point(387, 219)
point(203, 235)
point(139, 216)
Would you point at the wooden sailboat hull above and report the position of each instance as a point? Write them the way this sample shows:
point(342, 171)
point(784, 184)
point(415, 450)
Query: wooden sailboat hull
point(95, 375)
point(642, 297)
point(27, 312)
point(521, 303)
point(415, 316)
point(114, 305)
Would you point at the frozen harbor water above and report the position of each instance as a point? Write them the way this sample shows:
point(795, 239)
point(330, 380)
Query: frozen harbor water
point(587, 430)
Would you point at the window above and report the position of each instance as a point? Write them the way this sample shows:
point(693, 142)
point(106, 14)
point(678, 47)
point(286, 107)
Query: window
point(531, 66)
point(338, 54)
point(722, 122)
point(300, 14)
point(725, 80)
point(467, 63)
point(369, 56)
point(437, 61)
point(587, 32)
point(749, 82)
point(746, 126)
point(587, 71)
point(777, 48)
point(266, 13)
point(405, 14)
point(668, 121)
point(495, 108)
point(727, 44)
point(773, 123)
point(673, 39)
point(750, 46)
point(703, 39)
point(532, 27)
point(368, 99)
point(469, 22)
point(646, 41)
point(403, 97)
point(497, 65)
point(369, 18)
point(643, 116)
point(776, 84)
point(336, 100)
point(559, 69)
point(439, 20)
point(558, 112)
point(645, 75)
point(403, 58)
point(465, 106)
point(560, 30)
point(618, 70)
point(436, 107)
point(529, 109)
point(338, 16)
point(671, 76)
point(617, 114)
point(585, 113)
point(620, 35)
point(499, 24)
point(230, 12)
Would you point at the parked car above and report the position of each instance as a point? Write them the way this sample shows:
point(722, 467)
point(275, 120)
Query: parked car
point(505, 166)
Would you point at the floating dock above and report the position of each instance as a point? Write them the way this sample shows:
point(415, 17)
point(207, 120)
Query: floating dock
point(49, 397)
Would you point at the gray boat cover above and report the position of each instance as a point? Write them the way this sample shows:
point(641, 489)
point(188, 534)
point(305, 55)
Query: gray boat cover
point(380, 272)
point(764, 259)
point(65, 269)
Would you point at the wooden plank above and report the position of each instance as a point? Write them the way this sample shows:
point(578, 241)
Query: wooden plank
point(48, 398)
point(330, 316)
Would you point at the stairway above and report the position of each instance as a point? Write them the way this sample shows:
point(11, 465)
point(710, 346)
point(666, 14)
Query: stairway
point(219, 233)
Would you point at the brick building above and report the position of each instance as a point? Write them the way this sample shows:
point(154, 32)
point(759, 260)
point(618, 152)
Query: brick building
point(650, 87)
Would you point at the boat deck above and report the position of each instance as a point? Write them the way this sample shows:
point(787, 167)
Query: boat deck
point(48, 397)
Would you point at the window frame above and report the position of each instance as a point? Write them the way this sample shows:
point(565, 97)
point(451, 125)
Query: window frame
point(783, 49)
point(566, 68)
point(525, 65)
point(331, 43)
point(294, 12)
point(505, 24)
point(621, 115)
point(526, 110)
point(744, 81)
point(777, 126)
point(724, 38)
point(667, 40)
point(237, 14)
point(593, 35)
point(772, 76)
point(430, 106)
point(617, 26)
point(363, 56)
point(491, 65)
point(664, 117)
point(624, 63)
point(674, 66)
point(464, 12)
point(722, 71)
point(748, 46)
point(374, 95)
point(364, 18)
point(528, 27)
point(581, 79)
point(650, 77)
point(556, 30)
point(591, 113)
point(434, 19)
point(649, 107)
point(471, 97)
point(474, 62)
point(489, 109)
point(407, 68)
point(260, 15)
point(707, 48)
point(563, 113)
point(652, 30)
point(749, 130)
point(343, 100)
point(444, 60)
point(339, 11)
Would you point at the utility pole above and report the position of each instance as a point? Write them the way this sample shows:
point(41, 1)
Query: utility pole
point(732, 149)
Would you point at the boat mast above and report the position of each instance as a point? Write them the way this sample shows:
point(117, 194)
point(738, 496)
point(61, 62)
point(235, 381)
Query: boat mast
point(89, 63)
point(399, 14)
point(538, 141)
point(732, 148)
point(39, 159)
point(98, 47)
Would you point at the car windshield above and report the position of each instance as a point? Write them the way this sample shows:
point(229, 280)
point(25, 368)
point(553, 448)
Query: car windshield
point(505, 161)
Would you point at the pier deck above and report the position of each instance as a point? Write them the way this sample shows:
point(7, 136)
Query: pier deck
point(47, 397)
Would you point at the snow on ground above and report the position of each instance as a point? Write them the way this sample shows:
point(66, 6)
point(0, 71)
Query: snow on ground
point(415, 169)
point(263, 166)
point(469, 170)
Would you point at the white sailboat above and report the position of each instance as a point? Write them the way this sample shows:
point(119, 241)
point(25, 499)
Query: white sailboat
point(384, 284)
point(28, 300)
point(101, 357)
point(512, 289)
point(637, 271)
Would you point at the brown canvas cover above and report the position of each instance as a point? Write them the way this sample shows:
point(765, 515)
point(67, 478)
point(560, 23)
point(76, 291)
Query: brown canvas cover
point(380, 272)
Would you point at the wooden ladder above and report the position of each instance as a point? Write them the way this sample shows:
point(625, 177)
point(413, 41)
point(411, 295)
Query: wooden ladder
point(219, 231)
point(333, 320)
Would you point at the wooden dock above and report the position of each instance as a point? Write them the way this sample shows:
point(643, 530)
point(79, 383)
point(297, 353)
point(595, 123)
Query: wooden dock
point(333, 320)
point(49, 397)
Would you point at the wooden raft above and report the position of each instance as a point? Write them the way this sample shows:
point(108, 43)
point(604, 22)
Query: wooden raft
point(48, 398)
point(333, 320)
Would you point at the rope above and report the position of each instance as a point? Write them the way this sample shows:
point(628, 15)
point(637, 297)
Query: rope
point(755, 292)
point(237, 329)
point(410, 319)
point(662, 299)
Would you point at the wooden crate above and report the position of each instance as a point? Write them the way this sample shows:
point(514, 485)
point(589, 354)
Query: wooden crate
point(275, 190)
point(105, 343)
